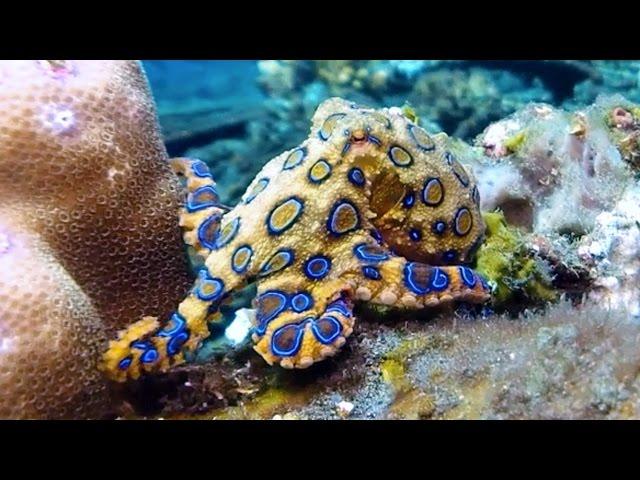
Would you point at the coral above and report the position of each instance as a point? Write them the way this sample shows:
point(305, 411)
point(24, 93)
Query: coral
point(624, 123)
point(613, 76)
point(370, 207)
point(552, 171)
point(463, 102)
point(613, 248)
point(569, 361)
point(87, 221)
point(508, 263)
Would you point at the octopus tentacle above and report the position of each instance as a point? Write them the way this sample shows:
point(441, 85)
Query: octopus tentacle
point(298, 328)
point(148, 347)
point(395, 281)
point(200, 217)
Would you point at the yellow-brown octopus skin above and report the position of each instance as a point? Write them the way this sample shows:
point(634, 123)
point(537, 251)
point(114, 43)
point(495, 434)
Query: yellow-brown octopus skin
point(88, 236)
point(368, 208)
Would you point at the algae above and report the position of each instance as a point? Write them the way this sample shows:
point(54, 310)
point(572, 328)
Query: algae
point(509, 266)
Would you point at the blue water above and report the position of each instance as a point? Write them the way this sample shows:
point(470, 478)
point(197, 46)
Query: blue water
point(204, 82)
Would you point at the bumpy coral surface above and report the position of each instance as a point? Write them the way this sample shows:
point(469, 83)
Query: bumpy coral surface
point(88, 236)
point(370, 207)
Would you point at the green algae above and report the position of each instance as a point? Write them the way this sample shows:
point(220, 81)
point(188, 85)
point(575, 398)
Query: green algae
point(509, 266)
point(513, 143)
point(409, 112)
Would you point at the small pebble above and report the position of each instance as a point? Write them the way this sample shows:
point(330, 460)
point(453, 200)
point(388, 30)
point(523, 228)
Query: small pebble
point(344, 408)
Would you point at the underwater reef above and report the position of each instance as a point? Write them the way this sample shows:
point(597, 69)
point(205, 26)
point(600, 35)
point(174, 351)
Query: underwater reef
point(559, 191)
point(88, 231)
point(259, 120)
point(90, 242)
point(563, 363)
point(368, 208)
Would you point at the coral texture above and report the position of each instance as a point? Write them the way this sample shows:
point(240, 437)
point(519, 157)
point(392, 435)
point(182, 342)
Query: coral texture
point(364, 209)
point(568, 361)
point(88, 236)
point(553, 171)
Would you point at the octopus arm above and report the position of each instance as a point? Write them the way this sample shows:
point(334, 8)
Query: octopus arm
point(146, 346)
point(298, 328)
point(388, 279)
point(200, 217)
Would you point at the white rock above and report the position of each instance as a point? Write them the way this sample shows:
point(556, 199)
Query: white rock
point(344, 408)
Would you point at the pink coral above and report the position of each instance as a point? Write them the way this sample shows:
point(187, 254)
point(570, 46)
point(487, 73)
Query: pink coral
point(88, 230)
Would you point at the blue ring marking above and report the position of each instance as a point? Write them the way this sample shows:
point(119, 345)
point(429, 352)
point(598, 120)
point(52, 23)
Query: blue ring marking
point(484, 283)
point(200, 169)
point(300, 208)
point(320, 335)
point(175, 343)
point(451, 161)
point(313, 179)
point(262, 183)
point(297, 340)
point(467, 276)
point(208, 238)
point(450, 255)
point(369, 253)
point(149, 356)
point(376, 235)
point(439, 227)
point(241, 268)
point(221, 241)
point(415, 234)
point(410, 280)
point(427, 186)
point(422, 146)
point(391, 155)
point(381, 118)
point(291, 161)
point(194, 204)
point(339, 306)
point(323, 135)
point(301, 302)
point(374, 140)
point(124, 363)
point(458, 171)
point(408, 200)
point(475, 195)
point(371, 272)
point(346, 147)
point(205, 279)
point(177, 323)
point(356, 176)
point(317, 267)
point(267, 267)
point(448, 157)
point(263, 321)
point(332, 217)
point(456, 219)
point(439, 279)
point(141, 344)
